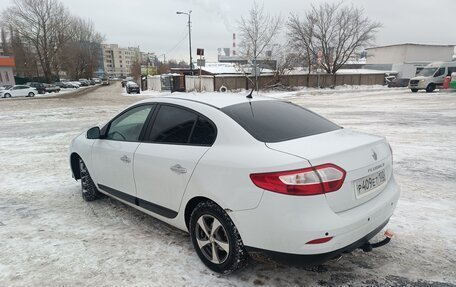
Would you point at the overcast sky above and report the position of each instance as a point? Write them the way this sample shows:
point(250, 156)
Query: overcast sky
point(154, 26)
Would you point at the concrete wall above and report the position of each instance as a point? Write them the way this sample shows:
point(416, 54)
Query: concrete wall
point(231, 82)
point(324, 81)
point(409, 53)
point(238, 82)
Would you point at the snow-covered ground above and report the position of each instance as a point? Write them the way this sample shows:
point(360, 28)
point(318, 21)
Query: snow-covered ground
point(50, 237)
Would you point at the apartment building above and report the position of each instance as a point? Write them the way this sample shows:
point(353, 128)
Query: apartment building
point(117, 61)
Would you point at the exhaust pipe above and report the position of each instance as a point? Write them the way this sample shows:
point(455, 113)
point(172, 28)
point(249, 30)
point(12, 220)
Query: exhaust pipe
point(367, 247)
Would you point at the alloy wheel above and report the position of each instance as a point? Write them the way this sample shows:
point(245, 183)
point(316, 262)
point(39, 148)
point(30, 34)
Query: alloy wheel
point(212, 239)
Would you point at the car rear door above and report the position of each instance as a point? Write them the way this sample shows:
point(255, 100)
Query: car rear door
point(163, 165)
point(112, 156)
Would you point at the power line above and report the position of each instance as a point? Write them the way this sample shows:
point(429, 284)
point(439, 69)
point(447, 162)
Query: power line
point(185, 36)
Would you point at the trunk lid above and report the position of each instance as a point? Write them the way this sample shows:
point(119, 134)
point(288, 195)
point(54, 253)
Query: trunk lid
point(361, 155)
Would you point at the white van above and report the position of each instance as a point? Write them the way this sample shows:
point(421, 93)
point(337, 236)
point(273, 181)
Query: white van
point(432, 76)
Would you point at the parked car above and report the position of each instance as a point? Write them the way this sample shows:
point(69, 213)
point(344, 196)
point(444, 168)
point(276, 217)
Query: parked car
point(76, 84)
point(126, 80)
point(105, 81)
point(18, 91)
point(398, 83)
point(40, 87)
point(5, 87)
point(51, 88)
point(84, 82)
point(96, 80)
point(92, 82)
point(132, 87)
point(243, 175)
point(431, 77)
point(61, 85)
point(65, 85)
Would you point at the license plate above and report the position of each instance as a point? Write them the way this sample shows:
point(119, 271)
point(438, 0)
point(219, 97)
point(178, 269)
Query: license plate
point(370, 182)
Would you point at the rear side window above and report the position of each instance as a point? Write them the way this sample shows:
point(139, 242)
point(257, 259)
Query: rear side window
point(451, 70)
point(172, 125)
point(204, 132)
point(276, 121)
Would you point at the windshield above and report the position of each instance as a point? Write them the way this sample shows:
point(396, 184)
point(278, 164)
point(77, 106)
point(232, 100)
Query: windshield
point(427, 72)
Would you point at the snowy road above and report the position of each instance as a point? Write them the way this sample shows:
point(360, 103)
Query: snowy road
point(50, 237)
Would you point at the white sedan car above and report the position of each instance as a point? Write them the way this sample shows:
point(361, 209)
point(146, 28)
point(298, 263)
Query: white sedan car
point(243, 176)
point(18, 91)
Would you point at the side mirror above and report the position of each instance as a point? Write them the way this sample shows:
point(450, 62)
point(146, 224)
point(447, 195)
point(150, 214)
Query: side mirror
point(93, 133)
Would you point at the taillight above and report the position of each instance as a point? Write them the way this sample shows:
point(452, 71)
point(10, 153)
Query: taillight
point(308, 181)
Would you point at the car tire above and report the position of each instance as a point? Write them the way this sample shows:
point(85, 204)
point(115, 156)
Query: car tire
point(430, 88)
point(31, 94)
point(88, 188)
point(221, 250)
point(7, 96)
point(414, 90)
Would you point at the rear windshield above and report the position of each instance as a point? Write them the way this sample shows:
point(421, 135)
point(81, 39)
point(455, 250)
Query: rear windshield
point(276, 121)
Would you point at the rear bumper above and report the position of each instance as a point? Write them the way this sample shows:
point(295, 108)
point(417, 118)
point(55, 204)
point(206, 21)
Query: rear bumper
point(314, 259)
point(283, 224)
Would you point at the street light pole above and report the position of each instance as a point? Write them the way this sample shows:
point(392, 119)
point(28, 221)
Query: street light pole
point(189, 36)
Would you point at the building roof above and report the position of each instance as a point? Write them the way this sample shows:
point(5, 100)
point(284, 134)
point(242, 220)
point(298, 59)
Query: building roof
point(7, 62)
point(221, 68)
point(411, 44)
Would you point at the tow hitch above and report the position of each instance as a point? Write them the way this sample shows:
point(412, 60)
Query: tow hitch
point(367, 247)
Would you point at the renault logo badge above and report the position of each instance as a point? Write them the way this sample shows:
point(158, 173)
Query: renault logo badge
point(374, 155)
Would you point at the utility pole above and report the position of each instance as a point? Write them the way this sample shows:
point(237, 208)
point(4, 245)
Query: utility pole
point(189, 35)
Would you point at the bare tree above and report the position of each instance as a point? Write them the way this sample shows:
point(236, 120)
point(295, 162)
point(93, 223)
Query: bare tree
point(300, 36)
point(257, 31)
point(43, 24)
point(5, 44)
point(335, 31)
point(135, 71)
point(81, 54)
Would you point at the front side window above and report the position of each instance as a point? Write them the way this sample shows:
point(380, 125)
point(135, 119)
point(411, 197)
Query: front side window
point(440, 72)
point(128, 126)
point(172, 125)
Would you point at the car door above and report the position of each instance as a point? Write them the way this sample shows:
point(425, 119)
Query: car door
point(163, 165)
point(15, 91)
point(23, 91)
point(439, 75)
point(112, 156)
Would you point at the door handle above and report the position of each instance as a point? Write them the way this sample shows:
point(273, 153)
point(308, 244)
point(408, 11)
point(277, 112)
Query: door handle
point(177, 168)
point(125, 159)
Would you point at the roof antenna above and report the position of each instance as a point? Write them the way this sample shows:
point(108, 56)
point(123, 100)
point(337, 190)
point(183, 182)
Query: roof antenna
point(249, 96)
